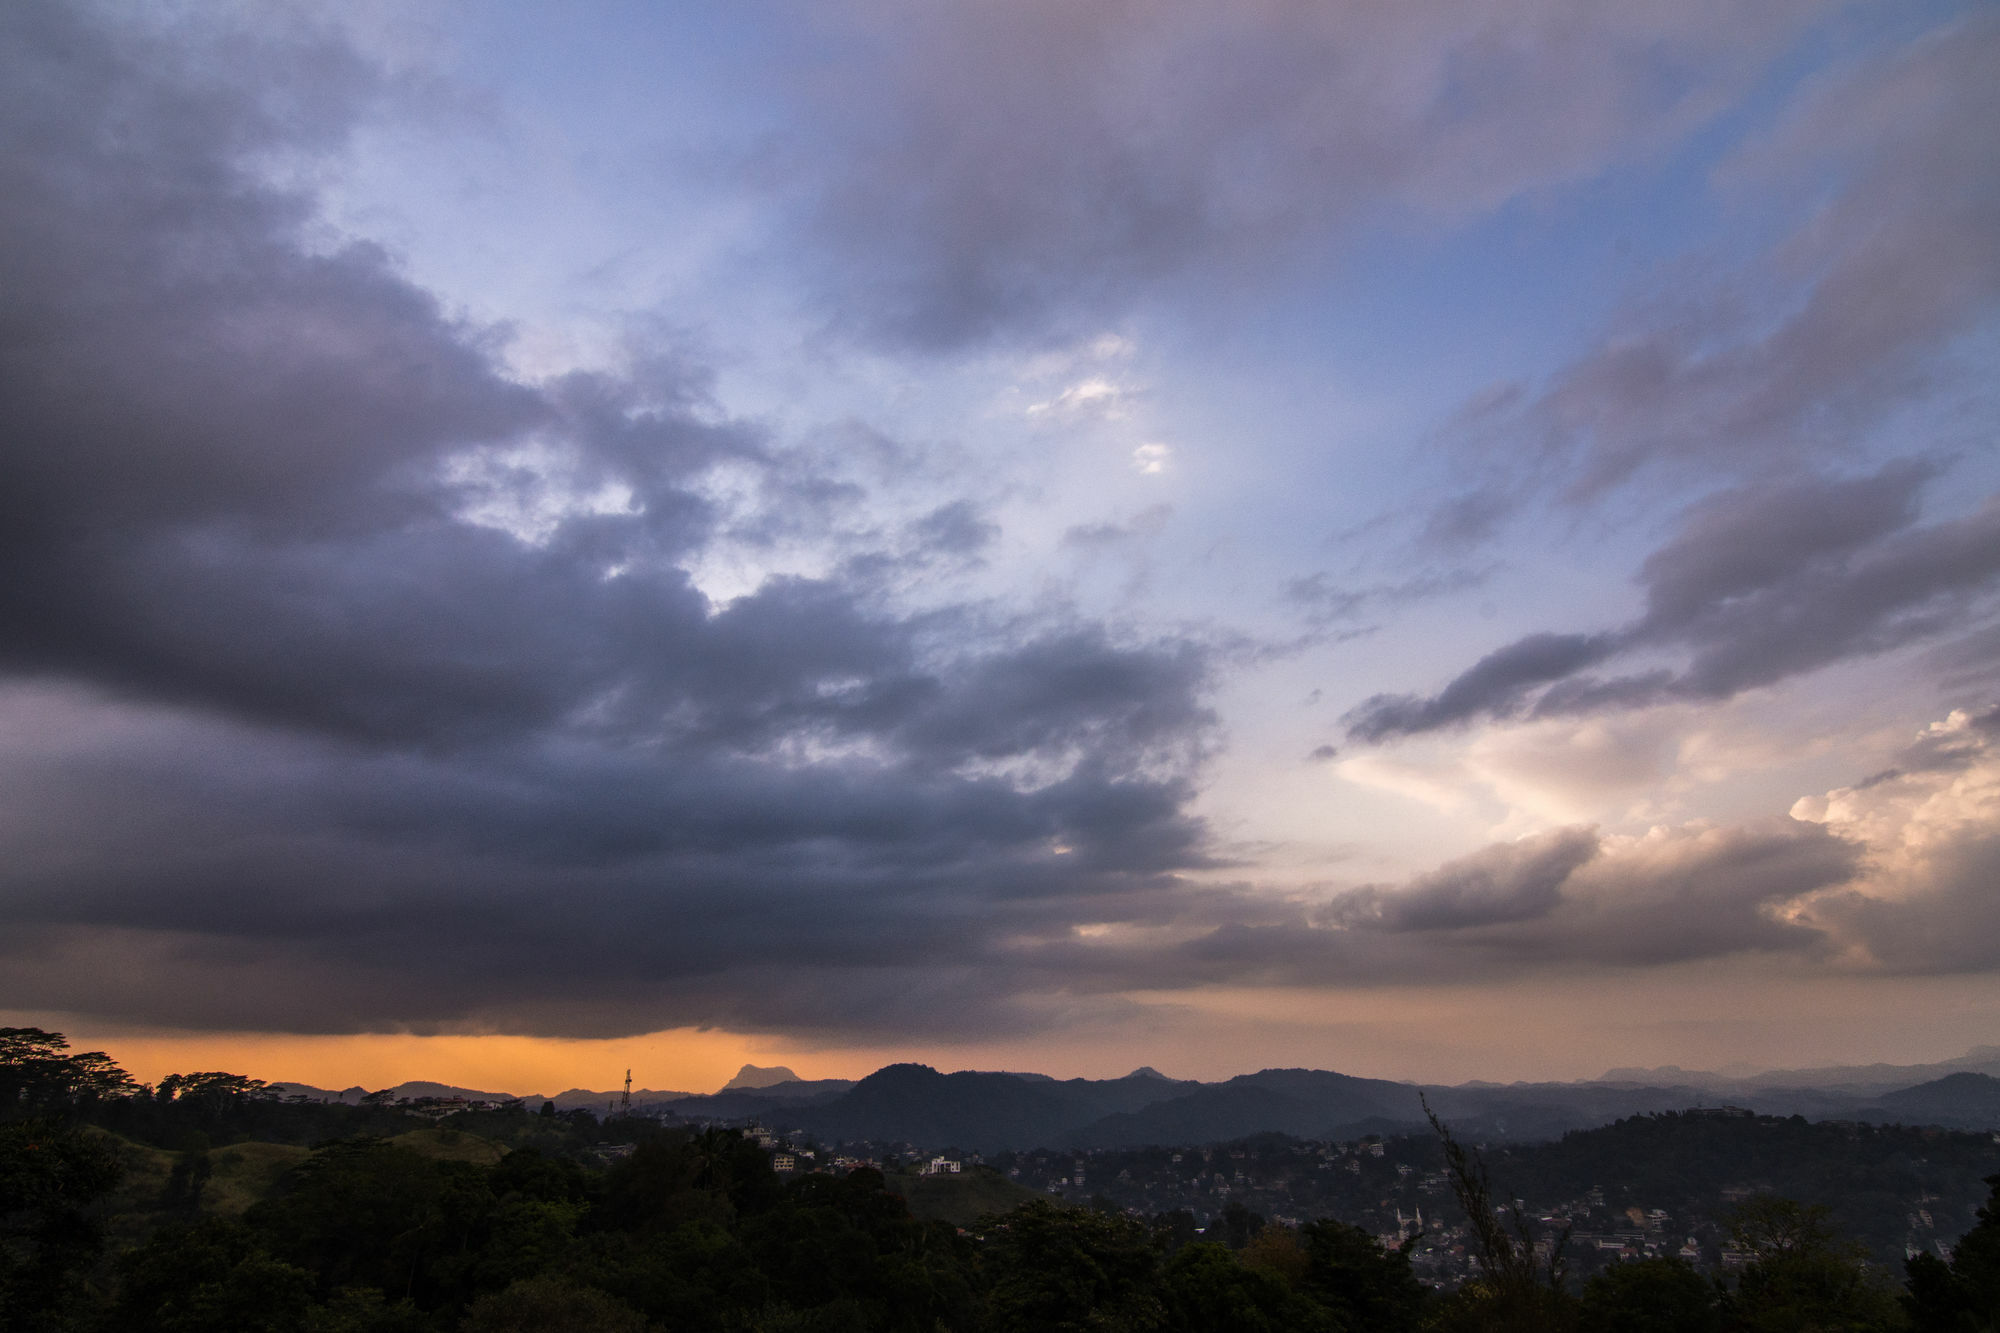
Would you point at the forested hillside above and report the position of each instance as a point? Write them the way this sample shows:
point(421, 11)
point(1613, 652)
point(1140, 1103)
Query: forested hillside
point(211, 1202)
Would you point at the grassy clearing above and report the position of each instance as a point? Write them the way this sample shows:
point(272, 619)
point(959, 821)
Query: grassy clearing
point(247, 1172)
point(959, 1199)
point(451, 1145)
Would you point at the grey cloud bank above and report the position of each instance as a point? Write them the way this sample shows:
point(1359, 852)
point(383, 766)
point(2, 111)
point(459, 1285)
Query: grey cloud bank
point(416, 768)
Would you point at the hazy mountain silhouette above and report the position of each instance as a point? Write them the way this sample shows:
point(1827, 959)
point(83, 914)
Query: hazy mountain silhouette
point(760, 1076)
point(986, 1111)
point(994, 1111)
point(1876, 1078)
point(1307, 1103)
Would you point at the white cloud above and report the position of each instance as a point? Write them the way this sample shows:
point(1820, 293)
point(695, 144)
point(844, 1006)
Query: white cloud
point(1094, 398)
point(1929, 898)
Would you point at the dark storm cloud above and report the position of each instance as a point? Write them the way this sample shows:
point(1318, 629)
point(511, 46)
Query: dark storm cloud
point(552, 887)
point(980, 169)
point(339, 695)
point(1760, 583)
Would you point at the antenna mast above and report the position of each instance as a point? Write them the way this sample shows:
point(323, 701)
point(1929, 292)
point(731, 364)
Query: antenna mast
point(625, 1102)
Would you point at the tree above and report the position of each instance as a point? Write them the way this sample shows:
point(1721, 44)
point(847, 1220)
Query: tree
point(1364, 1285)
point(50, 1176)
point(358, 1212)
point(31, 1062)
point(1962, 1296)
point(1204, 1288)
point(849, 1245)
point(1518, 1289)
point(1057, 1269)
point(364, 1310)
point(694, 1276)
point(215, 1092)
point(210, 1276)
point(1650, 1296)
point(1235, 1227)
point(677, 1177)
point(1276, 1250)
point(36, 1073)
point(189, 1178)
point(546, 1305)
point(1173, 1230)
point(1802, 1276)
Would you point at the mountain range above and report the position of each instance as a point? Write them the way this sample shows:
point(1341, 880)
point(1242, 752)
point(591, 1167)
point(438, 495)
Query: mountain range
point(996, 1111)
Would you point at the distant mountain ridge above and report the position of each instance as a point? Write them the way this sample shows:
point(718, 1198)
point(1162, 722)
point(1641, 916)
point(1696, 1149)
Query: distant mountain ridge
point(988, 1111)
point(1871, 1078)
point(646, 1100)
point(982, 1111)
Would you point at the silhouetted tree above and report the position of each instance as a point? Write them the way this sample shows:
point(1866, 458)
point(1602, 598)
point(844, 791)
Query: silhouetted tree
point(1235, 1227)
point(211, 1276)
point(1651, 1296)
point(1362, 1284)
point(1962, 1296)
point(1057, 1269)
point(1802, 1276)
point(1205, 1288)
point(38, 1076)
point(1516, 1289)
point(548, 1305)
point(51, 1175)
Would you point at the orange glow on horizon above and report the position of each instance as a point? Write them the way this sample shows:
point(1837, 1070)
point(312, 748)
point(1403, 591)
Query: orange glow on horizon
point(1555, 1027)
point(678, 1060)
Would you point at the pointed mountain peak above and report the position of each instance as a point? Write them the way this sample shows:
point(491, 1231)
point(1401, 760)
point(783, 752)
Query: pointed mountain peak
point(1147, 1071)
point(757, 1076)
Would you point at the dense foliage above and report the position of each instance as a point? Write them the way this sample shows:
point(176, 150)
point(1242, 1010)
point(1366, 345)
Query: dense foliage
point(510, 1220)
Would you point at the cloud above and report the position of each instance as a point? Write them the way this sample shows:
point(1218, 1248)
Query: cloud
point(1030, 168)
point(1932, 826)
point(1513, 882)
point(1497, 684)
point(1095, 398)
point(1325, 599)
point(1885, 186)
point(1147, 523)
point(1892, 876)
point(349, 682)
point(1572, 899)
point(1760, 583)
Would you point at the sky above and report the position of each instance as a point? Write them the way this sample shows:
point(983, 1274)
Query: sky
point(1433, 541)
